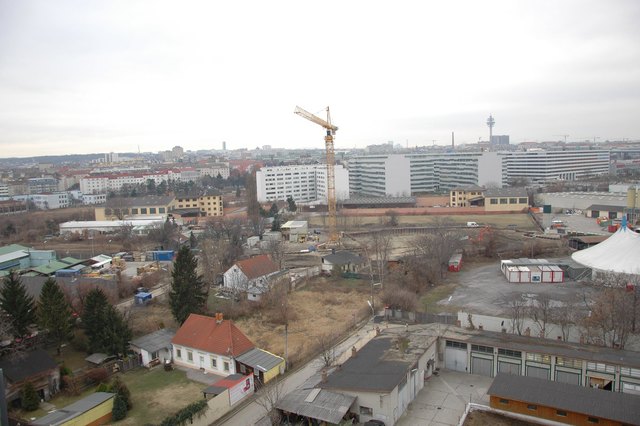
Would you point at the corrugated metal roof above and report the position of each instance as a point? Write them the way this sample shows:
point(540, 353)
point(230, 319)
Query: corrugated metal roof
point(616, 406)
point(73, 410)
point(325, 406)
point(155, 341)
point(259, 359)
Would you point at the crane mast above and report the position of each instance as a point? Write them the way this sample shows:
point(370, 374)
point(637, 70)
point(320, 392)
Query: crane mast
point(330, 154)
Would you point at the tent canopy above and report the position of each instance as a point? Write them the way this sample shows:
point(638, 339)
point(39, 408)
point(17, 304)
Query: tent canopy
point(619, 253)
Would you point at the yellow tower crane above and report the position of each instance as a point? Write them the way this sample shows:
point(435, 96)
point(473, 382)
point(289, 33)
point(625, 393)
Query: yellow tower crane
point(331, 179)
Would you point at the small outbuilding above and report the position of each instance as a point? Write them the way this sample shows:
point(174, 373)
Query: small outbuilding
point(154, 348)
point(264, 365)
point(343, 260)
point(95, 409)
point(295, 231)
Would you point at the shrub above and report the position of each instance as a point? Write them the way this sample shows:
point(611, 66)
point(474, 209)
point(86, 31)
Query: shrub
point(29, 398)
point(186, 414)
point(103, 387)
point(97, 375)
point(119, 411)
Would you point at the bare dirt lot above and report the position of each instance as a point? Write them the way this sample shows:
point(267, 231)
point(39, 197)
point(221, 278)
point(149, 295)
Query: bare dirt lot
point(483, 418)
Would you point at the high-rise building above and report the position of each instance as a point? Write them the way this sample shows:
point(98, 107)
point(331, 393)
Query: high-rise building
point(500, 140)
point(304, 183)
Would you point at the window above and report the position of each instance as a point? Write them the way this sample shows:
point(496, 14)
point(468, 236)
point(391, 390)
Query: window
point(214, 363)
point(134, 211)
point(513, 201)
point(561, 413)
point(190, 356)
point(143, 210)
point(480, 348)
point(152, 210)
point(366, 410)
point(509, 352)
point(161, 210)
point(226, 366)
point(493, 200)
point(178, 353)
point(532, 407)
point(503, 200)
point(504, 401)
point(593, 420)
point(154, 355)
point(523, 200)
point(453, 344)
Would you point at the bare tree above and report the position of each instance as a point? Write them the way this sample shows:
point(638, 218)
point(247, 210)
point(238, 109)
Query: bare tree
point(276, 249)
point(540, 312)
point(611, 317)
point(516, 309)
point(380, 248)
point(326, 348)
point(565, 316)
point(268, 397)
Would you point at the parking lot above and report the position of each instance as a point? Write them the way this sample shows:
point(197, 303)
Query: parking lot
point(483, 289)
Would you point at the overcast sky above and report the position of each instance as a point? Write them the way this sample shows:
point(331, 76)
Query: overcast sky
point(98, 76)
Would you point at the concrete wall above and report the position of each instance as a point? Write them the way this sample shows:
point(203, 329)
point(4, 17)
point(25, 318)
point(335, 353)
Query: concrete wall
point(217, 407)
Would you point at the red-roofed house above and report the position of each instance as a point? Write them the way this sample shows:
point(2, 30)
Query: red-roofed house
point(209, 344)
point(253, 276)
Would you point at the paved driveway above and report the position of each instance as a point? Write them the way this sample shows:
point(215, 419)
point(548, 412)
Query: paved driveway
point(444, 397)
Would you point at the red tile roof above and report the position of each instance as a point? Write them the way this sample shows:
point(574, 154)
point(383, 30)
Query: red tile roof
point(203, 333)
point(257, 266)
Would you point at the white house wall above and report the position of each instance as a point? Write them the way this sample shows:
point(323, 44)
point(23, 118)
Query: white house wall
point(206, 362)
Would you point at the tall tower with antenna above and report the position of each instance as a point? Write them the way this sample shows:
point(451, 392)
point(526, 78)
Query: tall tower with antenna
point(490, 122)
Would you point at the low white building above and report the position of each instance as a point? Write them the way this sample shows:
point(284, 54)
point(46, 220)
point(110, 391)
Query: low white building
point(209, 344)
point(55, 200)
point(153, 348)
point(252, 276)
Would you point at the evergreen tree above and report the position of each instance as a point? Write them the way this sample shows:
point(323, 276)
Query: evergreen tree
point(292, 204)
point(120, 388)
point(116, 333)
point(17, 304)
point(188, 290)
point(29, 397)
point(119, 410)
point(273, 211)
point(54, 313)
point(94, 319)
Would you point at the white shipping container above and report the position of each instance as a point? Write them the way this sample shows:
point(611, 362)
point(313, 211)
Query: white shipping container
point(513, 274)
point(525, 274)
point(547, 274)
point(558, 274)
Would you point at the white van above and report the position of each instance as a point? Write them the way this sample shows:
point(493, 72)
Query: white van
point(472, 225)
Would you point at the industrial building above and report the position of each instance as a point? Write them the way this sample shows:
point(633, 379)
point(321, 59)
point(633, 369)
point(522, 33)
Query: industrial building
point(304, 183)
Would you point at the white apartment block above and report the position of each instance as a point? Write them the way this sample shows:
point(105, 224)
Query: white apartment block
point(93, 198)
point(304, 183)
point(214, 170)
point(99, 184)
point(410, 174)
point(397, 175)
point(542, 166)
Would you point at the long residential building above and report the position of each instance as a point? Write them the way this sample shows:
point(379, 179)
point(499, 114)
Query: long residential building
point(304, 183)
point(411, 174)
point(103, 183)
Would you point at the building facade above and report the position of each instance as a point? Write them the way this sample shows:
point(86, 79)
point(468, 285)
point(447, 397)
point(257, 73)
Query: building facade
point(208, 203)
point(42, 185)
point(537, 166)
point(57, 200)
point(304, 183)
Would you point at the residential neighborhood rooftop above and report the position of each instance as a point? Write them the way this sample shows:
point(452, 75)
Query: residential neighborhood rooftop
point(206, 334)
point(30, 363)
point(260, 359)
point(257, 266)
point(155, 341)
point(71, 411)
point(344, 257)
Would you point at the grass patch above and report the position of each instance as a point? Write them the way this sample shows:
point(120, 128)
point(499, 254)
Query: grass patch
point(70, 357)
point(156, 393)
point(429, 301)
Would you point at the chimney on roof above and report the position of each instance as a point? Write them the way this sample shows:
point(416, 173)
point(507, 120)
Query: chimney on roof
point(324, 376)
point(353, 351)
point(219, 317)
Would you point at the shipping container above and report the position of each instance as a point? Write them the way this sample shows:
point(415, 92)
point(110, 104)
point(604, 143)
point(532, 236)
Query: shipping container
point(455, 262)
point(162, 255)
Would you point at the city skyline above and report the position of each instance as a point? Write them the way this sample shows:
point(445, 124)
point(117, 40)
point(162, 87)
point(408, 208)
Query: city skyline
point(81, 77)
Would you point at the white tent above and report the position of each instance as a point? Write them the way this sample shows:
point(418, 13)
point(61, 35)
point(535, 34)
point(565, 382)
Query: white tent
point(619, 253)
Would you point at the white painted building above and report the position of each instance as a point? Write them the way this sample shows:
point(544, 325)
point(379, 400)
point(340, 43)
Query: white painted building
point(93, 198)
point(410, 174)
point(214, 170)
point(103, 183)
point(56, 200)
point(304, 183)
